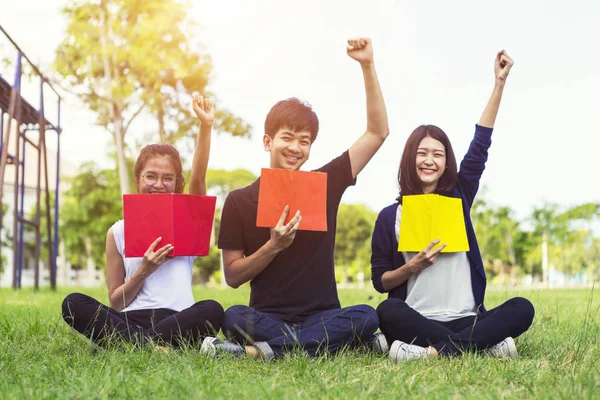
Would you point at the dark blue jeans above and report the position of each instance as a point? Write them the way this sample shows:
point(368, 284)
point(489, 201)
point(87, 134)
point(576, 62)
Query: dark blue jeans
point(326, 331)
point(401, 322)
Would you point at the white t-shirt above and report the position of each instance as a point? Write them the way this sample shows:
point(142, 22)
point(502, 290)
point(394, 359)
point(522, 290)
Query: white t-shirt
point(170, 286)
point(441, 292)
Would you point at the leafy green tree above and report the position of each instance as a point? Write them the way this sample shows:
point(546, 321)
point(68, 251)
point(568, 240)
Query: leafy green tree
point(120, 56)
point(587, 213)
point(352, 245)
point(92, 60)
point(566, 235)
point(207, 266)
point(574, 248)
point(594, 259)
point(528, 258)
point(497, 233)
point(220, 181)
point(176, 70)
point(90, 206)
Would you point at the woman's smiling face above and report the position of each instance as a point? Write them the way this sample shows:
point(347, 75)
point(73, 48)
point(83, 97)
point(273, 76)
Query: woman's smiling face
point(430, 163)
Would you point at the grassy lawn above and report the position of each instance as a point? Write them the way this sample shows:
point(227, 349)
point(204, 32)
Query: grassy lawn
point(41, 357)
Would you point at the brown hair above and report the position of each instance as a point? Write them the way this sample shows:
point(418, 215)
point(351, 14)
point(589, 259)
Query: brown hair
point(408, 179)
point(153, 150)
point(293, 114)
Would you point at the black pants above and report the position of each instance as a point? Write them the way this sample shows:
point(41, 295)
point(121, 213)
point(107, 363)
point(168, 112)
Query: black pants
point(100, 323)
point(400, 322)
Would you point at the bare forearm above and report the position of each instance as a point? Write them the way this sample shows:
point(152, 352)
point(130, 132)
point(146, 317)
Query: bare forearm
point(200, 161)
point(377, 120)
point(488, 118)
point(122, 296)
point(395, 278)
point(245, 269)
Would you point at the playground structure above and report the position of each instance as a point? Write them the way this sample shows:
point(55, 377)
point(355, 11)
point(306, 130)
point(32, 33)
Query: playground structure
point(19, 116)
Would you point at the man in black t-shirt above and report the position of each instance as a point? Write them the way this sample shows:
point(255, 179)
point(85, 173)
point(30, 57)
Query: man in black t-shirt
point(293, 298)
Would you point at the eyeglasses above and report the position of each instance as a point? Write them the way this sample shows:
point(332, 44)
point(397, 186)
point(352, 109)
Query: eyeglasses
point(152, 179)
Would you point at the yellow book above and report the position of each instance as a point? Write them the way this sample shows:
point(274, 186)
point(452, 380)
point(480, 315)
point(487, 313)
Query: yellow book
point(426, 217)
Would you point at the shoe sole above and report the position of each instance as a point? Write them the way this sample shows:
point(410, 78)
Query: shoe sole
point(512, 348)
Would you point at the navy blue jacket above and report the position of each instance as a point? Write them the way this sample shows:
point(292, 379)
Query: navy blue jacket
point(384, 245)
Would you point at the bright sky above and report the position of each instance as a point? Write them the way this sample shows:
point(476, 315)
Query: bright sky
point(435, 64)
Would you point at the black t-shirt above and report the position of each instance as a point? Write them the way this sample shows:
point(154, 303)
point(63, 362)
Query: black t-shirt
point(300, 280)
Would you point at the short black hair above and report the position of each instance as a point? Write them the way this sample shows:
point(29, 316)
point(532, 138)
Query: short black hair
point(293, 114)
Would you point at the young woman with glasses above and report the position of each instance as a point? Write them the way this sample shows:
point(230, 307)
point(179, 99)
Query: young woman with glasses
point(151, 297)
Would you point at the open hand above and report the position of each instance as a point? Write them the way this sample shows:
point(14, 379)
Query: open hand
point(282, 235)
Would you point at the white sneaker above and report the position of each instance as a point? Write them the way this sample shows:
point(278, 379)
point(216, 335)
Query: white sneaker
point(213, 346)
point(379, 343)
point(401, 351)
point(504, 349)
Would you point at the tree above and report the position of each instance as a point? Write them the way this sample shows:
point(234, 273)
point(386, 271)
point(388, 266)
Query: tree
point(90, 206)
point(575, 245)
point(207, 266)
point(176, 71)
point(528, 258)
point(120, 56)
point(506, 248)
point(594, 259)
point(496, 230)
point(565, 238)
point(92, 61)
point(354, 228)
point(220, 181)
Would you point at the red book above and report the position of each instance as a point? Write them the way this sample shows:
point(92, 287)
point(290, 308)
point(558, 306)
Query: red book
point(301, 190)
point(183, 220)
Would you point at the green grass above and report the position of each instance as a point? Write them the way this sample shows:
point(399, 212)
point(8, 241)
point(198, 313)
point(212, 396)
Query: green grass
point(41, 357)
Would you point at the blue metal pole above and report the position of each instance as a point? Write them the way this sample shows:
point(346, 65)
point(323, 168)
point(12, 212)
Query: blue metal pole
point(56, 191)
point(21, 188)
point(16, 224)
point(18, 71)
point(41, 142)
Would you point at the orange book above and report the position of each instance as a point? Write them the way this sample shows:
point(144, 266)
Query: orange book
point(301, 190)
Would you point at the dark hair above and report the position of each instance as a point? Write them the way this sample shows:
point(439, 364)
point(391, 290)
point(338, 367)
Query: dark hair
point(293, 114)
point(407, 173)
point(153, 150)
